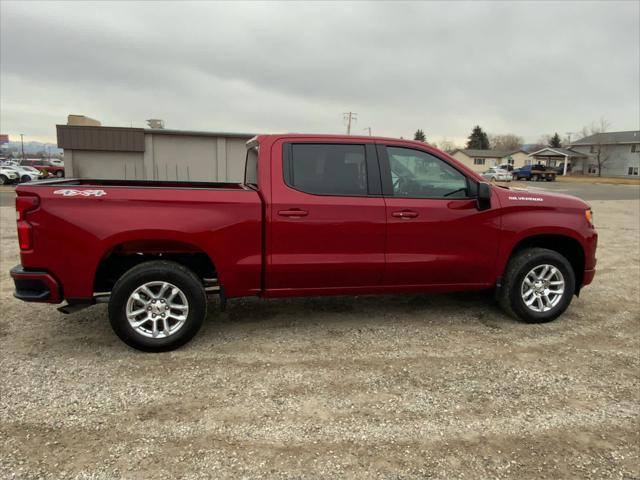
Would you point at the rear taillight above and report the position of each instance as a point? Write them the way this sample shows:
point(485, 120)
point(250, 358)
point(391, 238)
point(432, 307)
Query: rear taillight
point(24, 204)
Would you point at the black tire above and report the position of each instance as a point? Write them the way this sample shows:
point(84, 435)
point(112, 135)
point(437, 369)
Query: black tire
point(534, 178)
point(3, 180)
point(59, 174)
point(158, 271)
point(25, 178)
point(509, 295)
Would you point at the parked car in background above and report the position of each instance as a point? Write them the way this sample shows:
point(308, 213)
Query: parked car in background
point(535, 173)
point(25, 173)
point(8, 176)
point(9, 162)
point(496, 174)
point(57, 162)
point(44, 165)
point(505, 166)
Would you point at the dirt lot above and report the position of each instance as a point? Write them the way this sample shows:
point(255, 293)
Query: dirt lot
point(395, 387)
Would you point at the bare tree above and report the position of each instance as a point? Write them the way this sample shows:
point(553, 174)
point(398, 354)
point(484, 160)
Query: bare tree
point(447, 145)
point(506, 142)
point(544, 140)
point(599, 149)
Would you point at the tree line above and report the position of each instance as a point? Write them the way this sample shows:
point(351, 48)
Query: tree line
point(480, 140)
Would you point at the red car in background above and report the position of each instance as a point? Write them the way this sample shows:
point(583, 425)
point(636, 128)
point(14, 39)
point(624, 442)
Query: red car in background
point(45, 166)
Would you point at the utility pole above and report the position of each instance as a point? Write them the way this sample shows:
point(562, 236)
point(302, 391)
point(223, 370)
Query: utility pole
point(368, 128)
point(349, 117)
point(22, 144)
point(569, 136)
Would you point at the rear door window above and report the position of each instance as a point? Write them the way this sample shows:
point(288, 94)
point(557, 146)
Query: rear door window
point(327, 169)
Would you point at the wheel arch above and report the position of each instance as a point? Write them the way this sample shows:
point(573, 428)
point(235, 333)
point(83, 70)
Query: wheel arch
point(124, 255)
point(566, 245)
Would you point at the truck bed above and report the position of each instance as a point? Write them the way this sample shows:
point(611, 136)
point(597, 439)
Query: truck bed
point(80, 224)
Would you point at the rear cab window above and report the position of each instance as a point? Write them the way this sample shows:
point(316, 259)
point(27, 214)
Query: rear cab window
point(251, 167)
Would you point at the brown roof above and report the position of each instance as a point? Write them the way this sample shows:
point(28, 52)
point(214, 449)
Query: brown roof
point(111, 139)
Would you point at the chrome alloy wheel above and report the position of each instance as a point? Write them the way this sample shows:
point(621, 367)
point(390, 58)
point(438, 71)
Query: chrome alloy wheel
point(542, 288)
point(157, 309)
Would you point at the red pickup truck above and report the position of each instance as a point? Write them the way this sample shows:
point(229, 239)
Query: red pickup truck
point(316, 215)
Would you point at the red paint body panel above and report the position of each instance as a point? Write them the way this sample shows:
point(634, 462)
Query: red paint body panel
point(260, 246)
point(72, 234)
point(338, 243)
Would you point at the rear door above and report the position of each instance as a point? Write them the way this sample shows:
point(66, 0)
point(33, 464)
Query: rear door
point(327, 228)
point(435, 233)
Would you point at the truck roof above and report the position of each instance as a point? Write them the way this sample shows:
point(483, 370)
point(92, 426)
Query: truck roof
point(325, 136)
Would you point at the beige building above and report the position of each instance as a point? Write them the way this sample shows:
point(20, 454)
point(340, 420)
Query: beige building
point(482, 160)
point(152, 154)
point(82, 120)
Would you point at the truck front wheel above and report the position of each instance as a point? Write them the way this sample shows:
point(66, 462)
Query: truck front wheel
point(538, 285)
point(157, 306)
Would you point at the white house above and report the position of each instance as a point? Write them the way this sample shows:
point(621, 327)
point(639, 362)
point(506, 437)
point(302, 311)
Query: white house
point(619, 154)
point(569, 160)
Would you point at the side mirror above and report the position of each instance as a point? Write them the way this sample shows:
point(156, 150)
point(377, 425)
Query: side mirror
point(484, 196)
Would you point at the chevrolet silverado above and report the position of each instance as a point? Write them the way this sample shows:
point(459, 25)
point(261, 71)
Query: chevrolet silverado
point(315, 215)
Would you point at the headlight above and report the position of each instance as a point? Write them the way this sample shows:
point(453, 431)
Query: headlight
point(588, 214)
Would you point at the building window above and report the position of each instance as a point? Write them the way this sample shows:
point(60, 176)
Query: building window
point(478, 161)
point(632, 171)
point(510, 161)
point(593, 168)
point(527, 161)
point(635, 148)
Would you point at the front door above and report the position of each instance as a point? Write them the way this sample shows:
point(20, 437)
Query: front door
point(327, 218)
point(435, 233)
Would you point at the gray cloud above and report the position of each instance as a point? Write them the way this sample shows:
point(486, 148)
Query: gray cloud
point(523, 67)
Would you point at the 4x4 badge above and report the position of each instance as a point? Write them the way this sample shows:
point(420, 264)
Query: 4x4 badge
point(70, 192)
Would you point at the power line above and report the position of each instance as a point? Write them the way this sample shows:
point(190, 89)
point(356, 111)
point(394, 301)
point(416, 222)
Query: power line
point(349, 117)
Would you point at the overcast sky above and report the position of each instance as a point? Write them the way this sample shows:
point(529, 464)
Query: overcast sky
point(528, 68)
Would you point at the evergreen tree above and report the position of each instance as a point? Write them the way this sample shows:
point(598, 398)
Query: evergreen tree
point(478, 140)
point(420, 136)
point(555, 141)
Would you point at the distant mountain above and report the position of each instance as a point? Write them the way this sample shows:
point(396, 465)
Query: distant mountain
point(34, 147)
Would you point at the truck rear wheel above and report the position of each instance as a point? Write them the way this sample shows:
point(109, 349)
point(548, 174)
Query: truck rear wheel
point(538, 285)
point(157, 306)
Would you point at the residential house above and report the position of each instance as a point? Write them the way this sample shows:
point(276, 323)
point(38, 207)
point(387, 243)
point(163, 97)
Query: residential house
point(481, 160)
point(619, 154)
point(565, 158)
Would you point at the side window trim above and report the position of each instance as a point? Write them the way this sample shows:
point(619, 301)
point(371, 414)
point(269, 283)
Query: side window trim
point(385, 170)
point(373, 173)
point(387, 183)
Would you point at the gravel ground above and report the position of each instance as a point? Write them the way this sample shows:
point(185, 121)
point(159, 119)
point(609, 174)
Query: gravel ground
point(417, 386)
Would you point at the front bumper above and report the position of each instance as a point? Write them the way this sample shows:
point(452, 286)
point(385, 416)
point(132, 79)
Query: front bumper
point(35, 286)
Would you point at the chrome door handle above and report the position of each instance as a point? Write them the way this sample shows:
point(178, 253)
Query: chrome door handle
point(405, 214)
